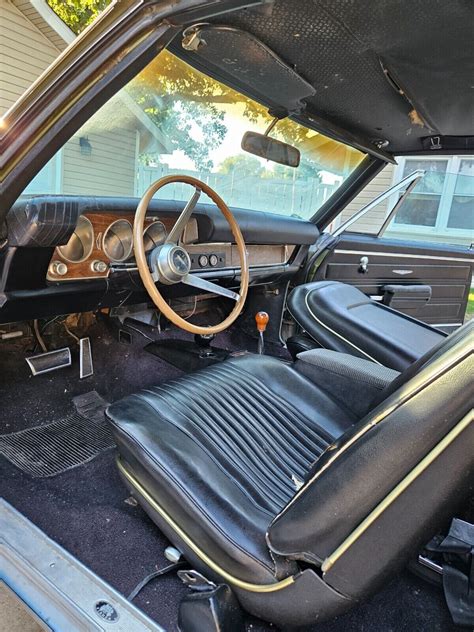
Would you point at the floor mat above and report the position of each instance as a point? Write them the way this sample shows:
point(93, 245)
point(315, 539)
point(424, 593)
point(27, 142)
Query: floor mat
point(56, 447)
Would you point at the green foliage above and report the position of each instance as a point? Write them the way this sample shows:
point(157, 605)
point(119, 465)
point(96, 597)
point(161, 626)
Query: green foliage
point(189, 107)
point(243, 165)
point(307, 169)
point(77, 14)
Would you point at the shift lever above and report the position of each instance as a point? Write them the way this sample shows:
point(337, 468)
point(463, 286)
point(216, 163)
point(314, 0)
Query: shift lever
point(261, 318)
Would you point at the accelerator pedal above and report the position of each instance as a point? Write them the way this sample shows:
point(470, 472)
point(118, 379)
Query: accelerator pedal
point(49, 361)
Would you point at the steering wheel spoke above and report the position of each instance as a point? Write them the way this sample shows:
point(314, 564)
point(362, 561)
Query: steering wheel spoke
point(208, 286)
point(170, 263)
point(183, 219)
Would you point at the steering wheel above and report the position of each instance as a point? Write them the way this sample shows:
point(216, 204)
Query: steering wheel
point(170, 262)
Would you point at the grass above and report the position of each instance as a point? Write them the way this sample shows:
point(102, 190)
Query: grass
point(470, 306)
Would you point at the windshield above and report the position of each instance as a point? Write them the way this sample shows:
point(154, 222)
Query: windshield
point(173, 119)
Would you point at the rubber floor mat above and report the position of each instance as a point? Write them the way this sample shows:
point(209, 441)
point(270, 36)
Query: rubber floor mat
point(58, 446)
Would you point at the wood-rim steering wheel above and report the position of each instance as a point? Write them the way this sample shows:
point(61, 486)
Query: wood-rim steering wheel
point(170, 262)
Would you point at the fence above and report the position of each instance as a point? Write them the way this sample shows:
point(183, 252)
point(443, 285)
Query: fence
point(299, 197)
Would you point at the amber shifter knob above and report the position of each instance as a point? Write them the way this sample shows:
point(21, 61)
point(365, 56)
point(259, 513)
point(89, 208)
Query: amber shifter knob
point(261, 318)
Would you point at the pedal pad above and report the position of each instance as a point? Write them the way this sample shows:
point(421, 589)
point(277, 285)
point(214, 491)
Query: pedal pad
point(49, 361)
point(86, 368)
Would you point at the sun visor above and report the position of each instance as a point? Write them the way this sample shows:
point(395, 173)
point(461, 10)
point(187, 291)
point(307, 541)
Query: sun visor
point(243, 62)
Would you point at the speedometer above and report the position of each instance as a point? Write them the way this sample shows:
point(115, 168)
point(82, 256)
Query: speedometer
point(118, 240)
point(154, 235)
point(81, 242)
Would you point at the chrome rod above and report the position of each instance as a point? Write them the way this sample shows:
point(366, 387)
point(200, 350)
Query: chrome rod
point(183, 219)
point(208, 286)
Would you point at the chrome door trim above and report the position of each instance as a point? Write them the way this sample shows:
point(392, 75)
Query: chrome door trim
point(401, 255)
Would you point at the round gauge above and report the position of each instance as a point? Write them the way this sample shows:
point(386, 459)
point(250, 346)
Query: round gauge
point(81, 242)
point(180, 261)
point(203, 261)
point(154, 235)
point(118, 240)
point(213, 260)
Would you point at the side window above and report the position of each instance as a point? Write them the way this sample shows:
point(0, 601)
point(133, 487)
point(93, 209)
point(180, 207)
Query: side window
point(438, 207)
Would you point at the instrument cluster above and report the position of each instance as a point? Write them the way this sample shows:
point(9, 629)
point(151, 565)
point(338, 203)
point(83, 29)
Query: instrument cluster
point(98, 242)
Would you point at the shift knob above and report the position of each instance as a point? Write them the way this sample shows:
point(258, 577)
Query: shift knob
point(262, 318)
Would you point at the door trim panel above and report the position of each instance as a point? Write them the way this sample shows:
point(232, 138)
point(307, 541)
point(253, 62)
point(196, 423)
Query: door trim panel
point(401, 255)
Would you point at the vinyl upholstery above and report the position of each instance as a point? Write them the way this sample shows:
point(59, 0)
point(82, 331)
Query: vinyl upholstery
point(340, 317)
point(230, 444)
point(268, 472)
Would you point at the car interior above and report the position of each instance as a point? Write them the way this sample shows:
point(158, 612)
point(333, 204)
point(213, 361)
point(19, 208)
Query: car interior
point(239, 410)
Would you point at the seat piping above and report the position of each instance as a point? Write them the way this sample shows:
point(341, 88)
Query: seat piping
point(419, 382)
point(335, 332)
point(250, 587)
point(397, 491)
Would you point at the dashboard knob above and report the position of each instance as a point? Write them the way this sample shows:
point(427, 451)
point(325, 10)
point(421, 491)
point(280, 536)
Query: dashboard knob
point(58, 268)
point(99, 266)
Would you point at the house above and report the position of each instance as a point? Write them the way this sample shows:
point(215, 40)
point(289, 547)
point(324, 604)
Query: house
point(444, 199)
point(32, 36)
point(104, 160)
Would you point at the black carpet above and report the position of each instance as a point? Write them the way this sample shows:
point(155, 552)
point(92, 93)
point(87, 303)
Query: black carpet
point(87, 509)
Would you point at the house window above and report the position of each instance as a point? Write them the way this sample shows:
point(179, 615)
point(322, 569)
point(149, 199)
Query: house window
point(49, 178)
point(422, 207)
point(461, 212)
point(441, 206)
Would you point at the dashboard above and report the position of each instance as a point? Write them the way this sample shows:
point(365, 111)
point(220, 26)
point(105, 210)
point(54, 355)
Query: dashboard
point(102, 243)
point(66, 253)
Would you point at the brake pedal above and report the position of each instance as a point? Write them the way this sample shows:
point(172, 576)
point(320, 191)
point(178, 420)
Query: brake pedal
point(49, 361)
point(86, 367)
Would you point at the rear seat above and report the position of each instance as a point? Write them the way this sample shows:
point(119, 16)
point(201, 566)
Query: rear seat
point(340, 317)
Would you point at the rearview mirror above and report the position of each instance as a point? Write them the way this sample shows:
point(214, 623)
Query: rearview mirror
point(271, 149)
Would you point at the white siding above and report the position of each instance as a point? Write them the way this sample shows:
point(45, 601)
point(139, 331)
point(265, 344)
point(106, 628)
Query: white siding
point(24, 54)
point(109, 170)
point(32, 14)
point(371, 222)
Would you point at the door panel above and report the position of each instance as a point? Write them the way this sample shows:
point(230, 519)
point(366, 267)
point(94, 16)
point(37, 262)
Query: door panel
point(446, 269)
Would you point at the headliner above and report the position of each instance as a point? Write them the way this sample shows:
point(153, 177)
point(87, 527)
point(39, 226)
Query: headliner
point(339, 47)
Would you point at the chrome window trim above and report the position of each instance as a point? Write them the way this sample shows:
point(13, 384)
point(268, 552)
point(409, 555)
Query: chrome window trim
point(410, 179)
point(401, 255)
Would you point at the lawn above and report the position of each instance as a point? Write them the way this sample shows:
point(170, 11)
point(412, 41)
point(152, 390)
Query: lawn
point(470, 306)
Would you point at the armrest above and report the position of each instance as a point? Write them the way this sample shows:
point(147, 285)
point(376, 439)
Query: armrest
point(400, 296)
point(353, 381)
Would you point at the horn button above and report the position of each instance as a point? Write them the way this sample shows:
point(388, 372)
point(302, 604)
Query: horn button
point(171, 262)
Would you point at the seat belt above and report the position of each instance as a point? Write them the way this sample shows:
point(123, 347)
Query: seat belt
point(458, 573)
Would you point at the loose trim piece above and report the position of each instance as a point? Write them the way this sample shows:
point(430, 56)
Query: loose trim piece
point(256, 588)
point(397, 491)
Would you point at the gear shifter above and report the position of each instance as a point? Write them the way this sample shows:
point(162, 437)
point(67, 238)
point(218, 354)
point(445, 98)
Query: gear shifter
point(261, 318)
point(204, 344)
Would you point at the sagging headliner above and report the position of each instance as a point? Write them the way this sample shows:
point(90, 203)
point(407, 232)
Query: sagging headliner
point(341, 46)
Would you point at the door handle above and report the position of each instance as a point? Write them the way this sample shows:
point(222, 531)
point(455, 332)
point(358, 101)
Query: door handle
point(364, 265)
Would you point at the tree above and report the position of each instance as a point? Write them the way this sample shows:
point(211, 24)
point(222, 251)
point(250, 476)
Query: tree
point(78, 14)
point(190, 107)
point(243, 165)
point(307, 169)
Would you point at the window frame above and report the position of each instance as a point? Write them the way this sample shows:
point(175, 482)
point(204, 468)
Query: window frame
point(440, 228)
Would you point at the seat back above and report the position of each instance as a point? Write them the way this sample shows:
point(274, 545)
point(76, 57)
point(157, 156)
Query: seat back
point(385, 487)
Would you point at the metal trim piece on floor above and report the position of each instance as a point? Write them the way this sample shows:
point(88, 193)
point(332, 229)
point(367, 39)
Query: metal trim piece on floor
point(57, 587)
